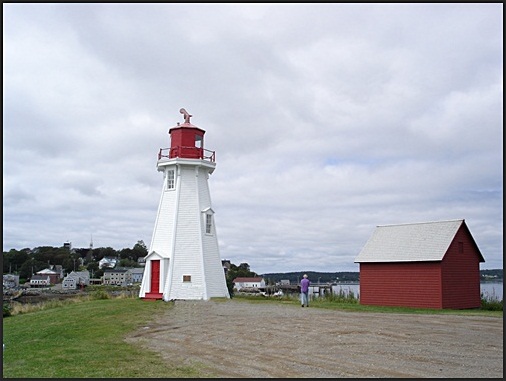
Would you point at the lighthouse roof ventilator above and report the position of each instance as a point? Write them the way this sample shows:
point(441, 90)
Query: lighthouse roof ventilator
point(183, 260)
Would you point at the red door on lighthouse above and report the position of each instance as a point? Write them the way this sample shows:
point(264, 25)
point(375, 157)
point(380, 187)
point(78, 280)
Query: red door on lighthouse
point(155, 281)
point(155, 276)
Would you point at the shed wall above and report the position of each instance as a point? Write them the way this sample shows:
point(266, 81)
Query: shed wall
point(461, 272)
point(409, 284)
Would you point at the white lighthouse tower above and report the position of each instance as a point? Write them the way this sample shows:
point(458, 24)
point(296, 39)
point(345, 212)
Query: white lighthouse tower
point(183, 261)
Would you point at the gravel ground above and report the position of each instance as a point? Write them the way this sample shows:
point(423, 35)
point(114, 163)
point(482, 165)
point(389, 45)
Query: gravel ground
point(235, 338)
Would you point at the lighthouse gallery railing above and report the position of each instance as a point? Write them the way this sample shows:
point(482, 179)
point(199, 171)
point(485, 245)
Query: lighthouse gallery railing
point(187, 152)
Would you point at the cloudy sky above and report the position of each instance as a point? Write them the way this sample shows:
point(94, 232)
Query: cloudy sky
point(327, 120)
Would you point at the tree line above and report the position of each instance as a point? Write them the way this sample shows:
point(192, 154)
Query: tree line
point(314, 277)
point(26, 262)
point(349, 276)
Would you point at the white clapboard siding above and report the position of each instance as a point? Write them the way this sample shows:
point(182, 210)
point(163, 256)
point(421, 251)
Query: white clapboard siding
point(180, 239)
point(161, 241)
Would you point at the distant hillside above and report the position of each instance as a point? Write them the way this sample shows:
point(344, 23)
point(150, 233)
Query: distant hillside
point(496, 274)
point(349, 276)
point(314, 276)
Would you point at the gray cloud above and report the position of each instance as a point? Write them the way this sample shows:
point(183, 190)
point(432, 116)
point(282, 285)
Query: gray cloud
point(327, 120)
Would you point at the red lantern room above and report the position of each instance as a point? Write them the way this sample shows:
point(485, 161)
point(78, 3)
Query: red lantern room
point(186, 141)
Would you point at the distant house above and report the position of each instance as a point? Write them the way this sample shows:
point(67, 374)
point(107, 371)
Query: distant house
point(425, 265)
point(40, 281)
point(55, 273)
point(10, 281)
point(107, 262)
point(136, 274)
point(119, 277)
point(226, 264)
point(244, 282)
point(141, 261)
point(76, 279)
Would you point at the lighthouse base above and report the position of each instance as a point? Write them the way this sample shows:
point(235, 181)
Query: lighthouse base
point(153, 296)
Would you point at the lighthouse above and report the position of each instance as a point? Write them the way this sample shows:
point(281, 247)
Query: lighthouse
point(183, 260)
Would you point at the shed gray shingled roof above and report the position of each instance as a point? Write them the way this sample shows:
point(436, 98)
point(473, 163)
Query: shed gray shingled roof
point(426, 241)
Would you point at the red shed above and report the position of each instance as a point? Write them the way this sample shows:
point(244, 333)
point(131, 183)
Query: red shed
point(425, 265)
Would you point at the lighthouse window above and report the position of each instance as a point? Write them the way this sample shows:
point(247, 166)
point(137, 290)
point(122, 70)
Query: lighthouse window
point(187, 278)
point(171, 181)
point(198, 141)
point(209, 222)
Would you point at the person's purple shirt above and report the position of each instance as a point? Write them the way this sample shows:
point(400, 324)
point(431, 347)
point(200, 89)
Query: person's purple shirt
point(304, 285)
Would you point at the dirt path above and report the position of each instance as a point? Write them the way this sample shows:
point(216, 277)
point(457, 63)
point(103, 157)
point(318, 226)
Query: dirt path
point(238, 339)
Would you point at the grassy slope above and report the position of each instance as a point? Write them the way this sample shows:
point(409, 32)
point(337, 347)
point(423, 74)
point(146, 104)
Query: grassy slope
point(83, 340)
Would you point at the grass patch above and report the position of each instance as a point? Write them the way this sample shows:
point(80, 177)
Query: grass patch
point(86, 340)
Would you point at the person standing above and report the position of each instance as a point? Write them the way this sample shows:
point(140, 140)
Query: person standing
point(304, 291)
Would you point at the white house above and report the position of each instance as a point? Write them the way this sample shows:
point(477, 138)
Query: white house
point(119, 277)
point(39, 280)
point(76, 279)
point(141, 261)
point(107, 262)
point(10, 280)
point(254, 282)
point(136, 274)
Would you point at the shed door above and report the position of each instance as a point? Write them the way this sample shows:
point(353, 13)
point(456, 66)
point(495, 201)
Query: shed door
point(155, 276)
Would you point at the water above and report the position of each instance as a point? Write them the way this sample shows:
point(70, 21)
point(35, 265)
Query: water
point(490, 290)
point(347, 288)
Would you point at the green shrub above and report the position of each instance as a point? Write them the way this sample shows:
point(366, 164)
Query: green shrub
point(7, 309)
point(491, 304)
point(99, 294)
point(340, 297)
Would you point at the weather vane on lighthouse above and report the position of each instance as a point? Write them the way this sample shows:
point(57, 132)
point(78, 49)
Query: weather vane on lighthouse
point(187, 116)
